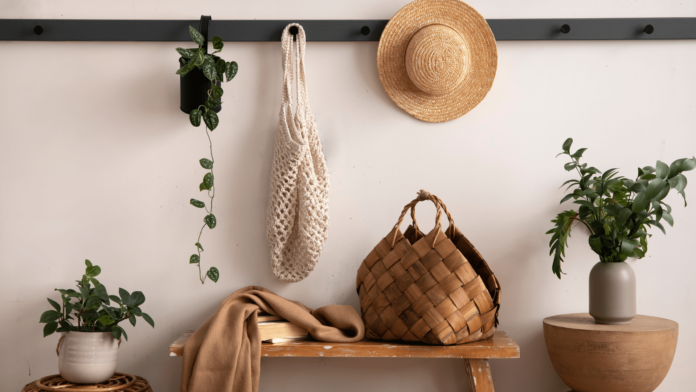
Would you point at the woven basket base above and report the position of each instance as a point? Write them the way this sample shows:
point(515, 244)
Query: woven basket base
point(118, 382)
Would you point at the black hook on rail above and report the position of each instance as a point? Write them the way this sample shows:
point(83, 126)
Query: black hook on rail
point(565, 29)
point(203, 28)
point(649, 29)
point(38, 30)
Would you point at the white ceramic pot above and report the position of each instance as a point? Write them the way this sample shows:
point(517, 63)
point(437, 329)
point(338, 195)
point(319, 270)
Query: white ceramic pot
point(87, 357)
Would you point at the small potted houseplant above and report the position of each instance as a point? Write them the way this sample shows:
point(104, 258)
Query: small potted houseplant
point(89, 320)
point(618, 213)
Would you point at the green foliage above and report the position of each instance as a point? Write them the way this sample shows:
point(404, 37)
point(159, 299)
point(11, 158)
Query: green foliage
point(90, 308)
point(216, 70)
point(617, 211)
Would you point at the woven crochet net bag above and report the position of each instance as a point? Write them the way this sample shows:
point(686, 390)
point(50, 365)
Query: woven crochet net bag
point(433, 288)
point(298, 202)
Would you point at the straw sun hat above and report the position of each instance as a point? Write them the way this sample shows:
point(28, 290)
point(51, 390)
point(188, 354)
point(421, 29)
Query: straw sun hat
point(437, 59)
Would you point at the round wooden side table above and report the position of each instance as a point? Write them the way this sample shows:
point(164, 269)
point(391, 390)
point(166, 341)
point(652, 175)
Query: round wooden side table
point(118, 382)
point(593, 357)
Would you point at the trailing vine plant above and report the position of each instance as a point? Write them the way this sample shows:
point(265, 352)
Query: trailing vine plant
point(215, 69)
point(617, 211)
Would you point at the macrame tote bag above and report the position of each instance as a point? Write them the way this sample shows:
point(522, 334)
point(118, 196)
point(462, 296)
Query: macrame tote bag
point(433, 288)
point(298, 204)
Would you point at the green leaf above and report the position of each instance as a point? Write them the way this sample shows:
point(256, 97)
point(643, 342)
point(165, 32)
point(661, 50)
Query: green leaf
point(100, 292)
point(199, 246)
point(231, 70)
point(195, 117)
point(596, 244)
point(663, 193)
point(567, 144)
point(210, 221)
point(187, 53)
point(54, 304)
point(638, 187)
point(211, 119)
point(105, 320)
point(137, 298)
point(183, 71)
point(88, 263)
point(208, 180)
point(206, 163)
point(132, 320)
point(50, 328)
point(217, 43)
point(148, 319)
point(197, 203)
point(628, 246)
point(662, 170)
point(49, 316)
point(566, 197)
point(679, 185)
point(648, 170)
point(655, 186)
point(638, 253)
point(570, 166)
point(125, 297)
point(687, 165)
point(116, 332)
point(209, 68)
point(609, 173)
point(217, 90)
point(202, 187)
point(196, 36)
point(578, 153)
point(194, 259)
point(586, 204)
point(93, 271)
point(92, 302)
point(648, 177)
point(668, 218)
point(211, 103)
point(640, 202)
point(123, 331)
point(213, 274)
point(220, 69)
point(115, 299)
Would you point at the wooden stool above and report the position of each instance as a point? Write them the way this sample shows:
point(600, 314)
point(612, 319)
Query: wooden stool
point(475, 354)
point(118, 382)
point(593, 357)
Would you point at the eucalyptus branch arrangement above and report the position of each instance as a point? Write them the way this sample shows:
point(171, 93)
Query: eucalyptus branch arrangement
point(617, 211)
point(90, 308)
point(215, 69)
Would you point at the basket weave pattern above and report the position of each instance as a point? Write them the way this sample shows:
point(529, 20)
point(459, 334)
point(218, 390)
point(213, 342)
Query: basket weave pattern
point(118, 382)
point(435, 289)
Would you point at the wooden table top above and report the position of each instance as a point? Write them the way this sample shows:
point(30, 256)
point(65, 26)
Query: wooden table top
point(499, 346)
point(585, 322)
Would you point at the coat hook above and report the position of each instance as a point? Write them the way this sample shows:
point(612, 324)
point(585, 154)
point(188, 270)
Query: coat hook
point(649, 29)
point(38, 30)
point(293, 30)
point(365, 30)
point(203, 28)
point(565, 29)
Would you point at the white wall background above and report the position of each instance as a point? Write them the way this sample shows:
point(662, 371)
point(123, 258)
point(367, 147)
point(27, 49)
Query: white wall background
point(97, 161)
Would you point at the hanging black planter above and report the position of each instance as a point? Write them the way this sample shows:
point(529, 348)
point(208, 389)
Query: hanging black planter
point(195, 86)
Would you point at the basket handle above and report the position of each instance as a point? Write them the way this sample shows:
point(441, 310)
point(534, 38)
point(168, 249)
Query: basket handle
point(452, 227)
point(422, 195)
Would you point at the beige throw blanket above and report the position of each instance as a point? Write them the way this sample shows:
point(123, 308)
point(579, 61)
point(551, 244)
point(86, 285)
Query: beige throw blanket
point(224, 355)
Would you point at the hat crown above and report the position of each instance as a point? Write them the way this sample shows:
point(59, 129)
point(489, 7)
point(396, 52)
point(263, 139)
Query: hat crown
point(437, 59)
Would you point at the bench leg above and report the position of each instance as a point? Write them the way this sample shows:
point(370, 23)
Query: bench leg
point(479, 375)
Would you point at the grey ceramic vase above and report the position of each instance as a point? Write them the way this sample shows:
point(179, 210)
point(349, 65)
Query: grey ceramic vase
point(612, 293)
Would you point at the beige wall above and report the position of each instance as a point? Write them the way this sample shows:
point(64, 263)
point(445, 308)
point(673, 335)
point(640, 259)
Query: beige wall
point(97, 162)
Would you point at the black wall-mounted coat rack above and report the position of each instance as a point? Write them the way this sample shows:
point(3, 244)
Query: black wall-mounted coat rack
point(337, 30)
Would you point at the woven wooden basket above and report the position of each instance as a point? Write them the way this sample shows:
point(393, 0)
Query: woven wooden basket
point(434, 288)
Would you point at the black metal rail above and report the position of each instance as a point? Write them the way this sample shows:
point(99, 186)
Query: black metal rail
point(337, 30)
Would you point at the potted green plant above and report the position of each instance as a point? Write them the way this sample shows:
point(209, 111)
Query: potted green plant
point(88, 349)
point(200, 67)
point(617, 212)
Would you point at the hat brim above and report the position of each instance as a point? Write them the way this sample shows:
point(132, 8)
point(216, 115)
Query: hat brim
point(483, 59)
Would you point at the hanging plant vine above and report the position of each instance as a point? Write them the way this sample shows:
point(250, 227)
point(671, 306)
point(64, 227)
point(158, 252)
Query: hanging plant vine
point(215, 69)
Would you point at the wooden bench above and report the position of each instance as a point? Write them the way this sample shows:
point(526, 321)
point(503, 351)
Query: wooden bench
point(475, 355)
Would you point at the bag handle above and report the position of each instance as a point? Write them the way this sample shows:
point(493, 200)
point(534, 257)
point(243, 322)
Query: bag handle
point(302, 110)
point(452, 227)
point(422, 196)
